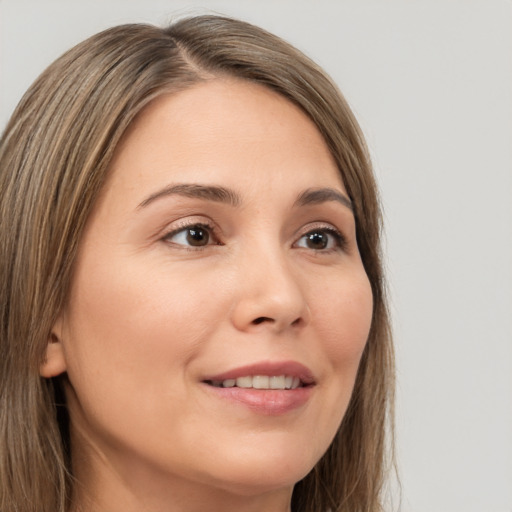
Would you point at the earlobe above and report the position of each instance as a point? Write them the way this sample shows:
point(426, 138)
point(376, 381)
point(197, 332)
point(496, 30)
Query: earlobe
point(54, 361)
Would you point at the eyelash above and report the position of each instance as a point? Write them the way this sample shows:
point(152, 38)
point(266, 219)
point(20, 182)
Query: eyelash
point(339, 239)
point(340, 242)
point(209, 228)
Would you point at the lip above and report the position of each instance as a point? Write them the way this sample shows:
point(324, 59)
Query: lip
point(268, 368)
point(267, 402)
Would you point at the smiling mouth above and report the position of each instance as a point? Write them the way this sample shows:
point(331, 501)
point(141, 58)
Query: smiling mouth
point(266, 388)
point(263, 382)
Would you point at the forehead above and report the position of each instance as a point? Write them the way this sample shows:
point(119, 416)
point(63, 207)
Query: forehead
point(223, 130)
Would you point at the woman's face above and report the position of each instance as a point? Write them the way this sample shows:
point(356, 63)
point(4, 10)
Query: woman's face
point(221, 258)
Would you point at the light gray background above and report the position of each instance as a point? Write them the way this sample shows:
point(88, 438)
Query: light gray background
point(431, 84)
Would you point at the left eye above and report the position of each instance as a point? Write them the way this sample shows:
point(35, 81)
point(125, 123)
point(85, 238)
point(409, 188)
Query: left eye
point(197, 235)
point(320, 240)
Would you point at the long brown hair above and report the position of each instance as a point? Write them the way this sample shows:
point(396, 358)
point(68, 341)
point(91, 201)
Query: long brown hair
point(54, 157)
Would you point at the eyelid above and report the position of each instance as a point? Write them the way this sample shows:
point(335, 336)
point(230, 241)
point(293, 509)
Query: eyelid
point(340, 238)
point(184, 224)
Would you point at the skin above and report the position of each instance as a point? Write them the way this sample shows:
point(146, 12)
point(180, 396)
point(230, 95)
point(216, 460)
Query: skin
point(150, 316)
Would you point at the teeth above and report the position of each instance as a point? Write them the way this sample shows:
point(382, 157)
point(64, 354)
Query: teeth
point(261, 382)
point(277, 382)
point(244, 382)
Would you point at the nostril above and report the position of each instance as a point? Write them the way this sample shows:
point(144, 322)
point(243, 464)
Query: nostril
point(262, 319)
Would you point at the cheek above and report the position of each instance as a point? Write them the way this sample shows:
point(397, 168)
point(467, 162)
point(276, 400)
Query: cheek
point(344, 315)
point(138, 321)
point(341, 316)
point(130, 337)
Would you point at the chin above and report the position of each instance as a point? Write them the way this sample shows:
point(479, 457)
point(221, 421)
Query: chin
point(254, 484)
point(264, 474)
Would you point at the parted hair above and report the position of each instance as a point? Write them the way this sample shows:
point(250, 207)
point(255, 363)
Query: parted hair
point(54, 157)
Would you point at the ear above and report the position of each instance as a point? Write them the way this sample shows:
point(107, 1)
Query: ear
point(54, 360)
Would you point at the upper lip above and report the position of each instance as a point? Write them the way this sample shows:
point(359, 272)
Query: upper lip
point(268, 368)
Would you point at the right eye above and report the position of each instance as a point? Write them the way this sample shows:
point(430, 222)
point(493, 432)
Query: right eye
point(193, 235)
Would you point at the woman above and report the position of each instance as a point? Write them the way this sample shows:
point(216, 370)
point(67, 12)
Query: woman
point(193, 312)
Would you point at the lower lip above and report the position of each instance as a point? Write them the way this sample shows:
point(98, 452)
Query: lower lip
point(269, 402)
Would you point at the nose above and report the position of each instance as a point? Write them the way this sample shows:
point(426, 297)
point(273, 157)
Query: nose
point(270, 295)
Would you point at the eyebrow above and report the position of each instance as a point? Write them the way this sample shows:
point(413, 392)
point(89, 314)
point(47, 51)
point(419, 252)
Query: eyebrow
point(322, 195)
point(220, 194)
point(208, 192)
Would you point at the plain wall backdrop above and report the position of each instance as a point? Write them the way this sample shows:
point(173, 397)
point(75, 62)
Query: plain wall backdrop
point(431, 84)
